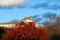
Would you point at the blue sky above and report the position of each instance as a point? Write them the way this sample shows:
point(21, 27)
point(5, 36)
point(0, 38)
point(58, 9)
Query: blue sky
point(29, 9)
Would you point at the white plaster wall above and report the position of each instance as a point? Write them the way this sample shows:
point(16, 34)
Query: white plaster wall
point(7, 25)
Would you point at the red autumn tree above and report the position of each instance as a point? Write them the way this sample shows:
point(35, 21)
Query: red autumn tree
point(26, 32)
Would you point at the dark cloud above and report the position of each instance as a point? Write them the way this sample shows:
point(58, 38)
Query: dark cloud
point(54, 7)
point(21, 7)
point(49, 15)
point(54, 21)
point(46, 5)
point(15, 20)
point(53, 0)
point(40, 5)
point(37, 18)
point(11, 7)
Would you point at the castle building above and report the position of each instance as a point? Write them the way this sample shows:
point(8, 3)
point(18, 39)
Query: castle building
point(13, 24)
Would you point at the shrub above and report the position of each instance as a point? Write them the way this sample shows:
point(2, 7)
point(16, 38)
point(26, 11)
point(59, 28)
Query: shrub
point(28, 32)
point(55, 37)
point(1, 32)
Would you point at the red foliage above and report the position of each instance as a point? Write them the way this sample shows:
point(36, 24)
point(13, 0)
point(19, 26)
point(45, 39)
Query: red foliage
point(29, 32)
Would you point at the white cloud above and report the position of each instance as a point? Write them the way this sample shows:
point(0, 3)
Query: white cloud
point(11, 2)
